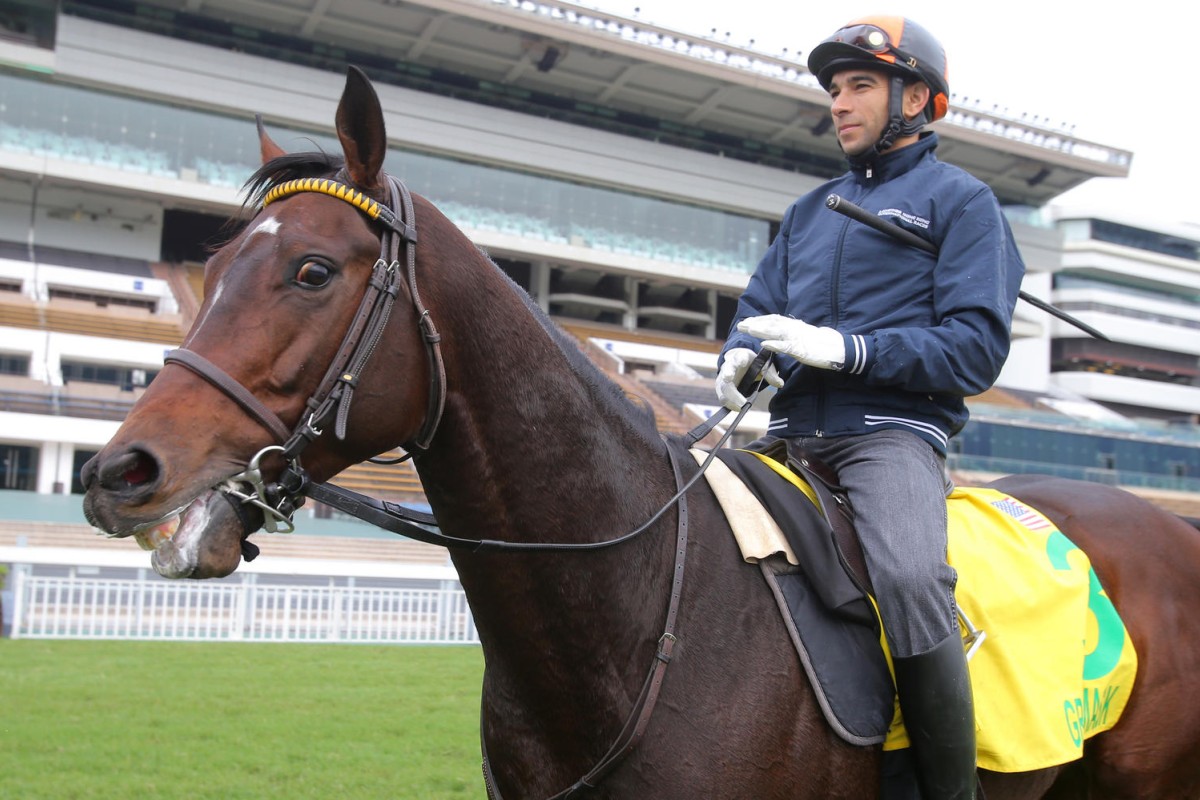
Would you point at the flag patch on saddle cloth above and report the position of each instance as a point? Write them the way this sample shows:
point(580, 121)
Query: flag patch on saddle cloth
point(1021, 513)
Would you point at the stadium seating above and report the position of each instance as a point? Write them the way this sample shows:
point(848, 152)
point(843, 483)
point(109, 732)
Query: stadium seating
point(390, 482)
point(72, 316)
point(165, 329)
point(115, 155)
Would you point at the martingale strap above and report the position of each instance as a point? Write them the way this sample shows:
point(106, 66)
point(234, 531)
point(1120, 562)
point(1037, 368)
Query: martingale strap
point(639, 717)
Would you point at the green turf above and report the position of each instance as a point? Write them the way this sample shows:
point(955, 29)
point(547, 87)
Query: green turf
point(85, 719)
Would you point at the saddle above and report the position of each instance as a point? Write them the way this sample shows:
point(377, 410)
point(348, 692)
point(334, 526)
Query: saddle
point(836, 511)
point(822, 588)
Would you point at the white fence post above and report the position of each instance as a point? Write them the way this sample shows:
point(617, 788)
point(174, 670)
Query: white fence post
point(20, 598)
point(139, 617)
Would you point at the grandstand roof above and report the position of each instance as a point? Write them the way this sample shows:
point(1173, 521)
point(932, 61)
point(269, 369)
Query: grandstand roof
point(573, 62)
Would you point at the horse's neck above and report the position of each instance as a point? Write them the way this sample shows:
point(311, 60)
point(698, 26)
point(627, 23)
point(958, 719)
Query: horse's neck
point(536, 447)
point(536, 443)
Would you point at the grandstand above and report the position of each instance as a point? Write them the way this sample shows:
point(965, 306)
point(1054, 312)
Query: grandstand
point(629, 183)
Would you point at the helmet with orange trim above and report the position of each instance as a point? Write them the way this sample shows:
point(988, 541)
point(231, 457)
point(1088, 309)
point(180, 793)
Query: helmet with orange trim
point(898, 46)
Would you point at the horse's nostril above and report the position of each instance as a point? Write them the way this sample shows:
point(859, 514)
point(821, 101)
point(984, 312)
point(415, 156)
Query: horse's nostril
point(131, 469)
point(143, 470)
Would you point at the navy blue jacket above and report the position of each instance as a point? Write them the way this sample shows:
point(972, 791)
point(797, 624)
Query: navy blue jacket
point(921, 332)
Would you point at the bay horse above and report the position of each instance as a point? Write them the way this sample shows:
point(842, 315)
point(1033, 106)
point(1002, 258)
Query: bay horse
point(519, 440)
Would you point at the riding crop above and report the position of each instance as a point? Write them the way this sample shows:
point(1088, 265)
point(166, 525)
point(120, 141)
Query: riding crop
point(859, 214)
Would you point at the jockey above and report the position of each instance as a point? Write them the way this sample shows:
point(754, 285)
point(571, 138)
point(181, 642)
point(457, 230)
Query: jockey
point(877, 346)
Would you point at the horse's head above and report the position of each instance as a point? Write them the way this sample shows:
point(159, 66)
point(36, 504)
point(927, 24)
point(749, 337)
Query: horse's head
point(272, 356)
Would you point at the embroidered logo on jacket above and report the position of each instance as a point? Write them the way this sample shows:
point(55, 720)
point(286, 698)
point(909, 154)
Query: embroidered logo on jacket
point(904, 216)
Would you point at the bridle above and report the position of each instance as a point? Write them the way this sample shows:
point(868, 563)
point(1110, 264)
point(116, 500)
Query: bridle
point(279, 500)
point(333, 396)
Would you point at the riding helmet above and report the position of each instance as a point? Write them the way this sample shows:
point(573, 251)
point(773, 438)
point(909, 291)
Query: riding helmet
point(898, 45)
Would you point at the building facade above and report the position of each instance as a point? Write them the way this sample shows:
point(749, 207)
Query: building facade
point(627, 176)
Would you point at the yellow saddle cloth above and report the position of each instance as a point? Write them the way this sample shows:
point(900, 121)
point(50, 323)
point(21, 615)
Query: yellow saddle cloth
point(1056, 665)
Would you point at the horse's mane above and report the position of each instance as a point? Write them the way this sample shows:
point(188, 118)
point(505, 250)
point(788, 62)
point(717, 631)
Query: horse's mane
point(291, 166)
point(288, 167)
point(637, 408)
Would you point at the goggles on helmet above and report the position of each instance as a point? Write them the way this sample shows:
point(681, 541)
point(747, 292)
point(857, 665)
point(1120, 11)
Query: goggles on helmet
point(867, 37)
point(872, 39)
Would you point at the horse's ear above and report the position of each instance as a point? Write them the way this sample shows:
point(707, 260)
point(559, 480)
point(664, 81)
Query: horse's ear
point(360, 129)
point(268, 147)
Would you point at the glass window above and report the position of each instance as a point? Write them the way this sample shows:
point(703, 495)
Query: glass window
point(137, 135)
point(18, 467)
point(81, 458)
point(29, 22)
point(1129, 236)
point(127, 378)
point(14, 364)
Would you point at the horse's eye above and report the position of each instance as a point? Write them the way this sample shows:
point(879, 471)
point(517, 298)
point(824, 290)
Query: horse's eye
point(313, 274)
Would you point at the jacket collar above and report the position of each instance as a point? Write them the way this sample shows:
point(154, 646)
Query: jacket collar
point(877, 168)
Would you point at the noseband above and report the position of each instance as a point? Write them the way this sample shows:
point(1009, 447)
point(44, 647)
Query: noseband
point(331, 400)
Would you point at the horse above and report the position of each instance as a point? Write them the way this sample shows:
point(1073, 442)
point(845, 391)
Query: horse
point(519, 440)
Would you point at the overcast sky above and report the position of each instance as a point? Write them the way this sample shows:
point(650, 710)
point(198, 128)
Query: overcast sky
point(1113, 71)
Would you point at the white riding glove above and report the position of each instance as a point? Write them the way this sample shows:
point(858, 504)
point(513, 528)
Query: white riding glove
point(733, 368)
point(808, 344)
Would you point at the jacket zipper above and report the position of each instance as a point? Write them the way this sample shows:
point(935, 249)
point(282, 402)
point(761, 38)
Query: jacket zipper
point(834, 276)
point(835, 318)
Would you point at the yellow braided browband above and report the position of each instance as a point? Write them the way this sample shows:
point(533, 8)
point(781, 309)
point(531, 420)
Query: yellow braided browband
point(373, 209)
point(325, 186)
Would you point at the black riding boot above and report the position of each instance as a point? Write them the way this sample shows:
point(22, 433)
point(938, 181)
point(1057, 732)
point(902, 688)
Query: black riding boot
point(939, 714)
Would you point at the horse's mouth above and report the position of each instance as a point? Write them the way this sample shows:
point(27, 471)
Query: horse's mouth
point(151, 536)
point(201, 540)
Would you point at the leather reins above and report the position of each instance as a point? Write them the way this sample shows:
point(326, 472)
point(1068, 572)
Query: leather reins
point(279, 500)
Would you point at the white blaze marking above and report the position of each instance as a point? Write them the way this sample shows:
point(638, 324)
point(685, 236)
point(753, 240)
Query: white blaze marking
point(269, 226)
point(216, 295)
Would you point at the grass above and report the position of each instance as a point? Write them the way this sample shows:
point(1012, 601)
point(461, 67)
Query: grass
point(82, 719)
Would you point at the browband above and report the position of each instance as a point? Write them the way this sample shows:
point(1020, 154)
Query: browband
point(373, 209)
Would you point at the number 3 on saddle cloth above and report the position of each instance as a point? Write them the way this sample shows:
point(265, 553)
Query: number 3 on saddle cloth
point(1055, 666)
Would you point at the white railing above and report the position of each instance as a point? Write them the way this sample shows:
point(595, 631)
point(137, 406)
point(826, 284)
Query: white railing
point(83, 607)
